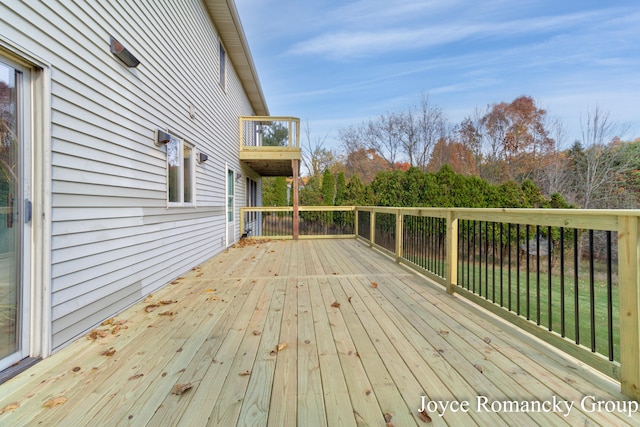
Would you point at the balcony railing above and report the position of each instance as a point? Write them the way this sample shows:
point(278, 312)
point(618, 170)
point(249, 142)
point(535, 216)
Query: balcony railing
point(570, 277)
point(270, 144)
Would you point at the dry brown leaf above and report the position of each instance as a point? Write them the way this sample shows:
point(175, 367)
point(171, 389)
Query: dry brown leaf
point(487, 340)
point(256, 333)
point(387, 417)
point(282, 346)
point(168, 313)
point(212, 299)
point(10, 407)
point(60, 400)
point(424, 416)
point(335, 304)
point(167, 302)
point(368, 392)
point(478, 367)
point(108, 322)
point(444, 332)
point(374, 285)
point(148, 298)
point(151, 307)
point(245, 373)
point(115, 329)
point(95, 334)
point(76, 369)
point(109, 352)
point(175, 282)
point(181, 388)
point(349, 299)
point(209, 290)
point(136, 376)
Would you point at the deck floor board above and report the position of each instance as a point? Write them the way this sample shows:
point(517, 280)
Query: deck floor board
point(313, 332)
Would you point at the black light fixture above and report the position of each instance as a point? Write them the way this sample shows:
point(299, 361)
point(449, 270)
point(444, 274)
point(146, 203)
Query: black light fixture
point(162, 137)
point(202, 157)
point(123, 54)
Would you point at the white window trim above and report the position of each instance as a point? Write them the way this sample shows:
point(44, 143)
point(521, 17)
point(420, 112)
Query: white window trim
point(182, 203)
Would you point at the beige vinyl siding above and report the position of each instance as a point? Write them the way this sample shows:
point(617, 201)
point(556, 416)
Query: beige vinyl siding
point(113, 239)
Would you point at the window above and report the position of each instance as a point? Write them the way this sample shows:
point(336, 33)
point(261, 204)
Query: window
point(223, 67)
point(180, 172)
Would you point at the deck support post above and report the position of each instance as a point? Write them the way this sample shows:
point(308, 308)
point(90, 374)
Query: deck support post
point(452, 252)
point(296, 221)
point(629, 295)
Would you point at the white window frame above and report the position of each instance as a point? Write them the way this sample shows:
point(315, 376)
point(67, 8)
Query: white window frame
point(181, 165)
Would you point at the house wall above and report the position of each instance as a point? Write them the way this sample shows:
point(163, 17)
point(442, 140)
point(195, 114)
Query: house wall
point(113, 239)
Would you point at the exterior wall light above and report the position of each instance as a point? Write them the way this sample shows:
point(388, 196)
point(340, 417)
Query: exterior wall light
point(123, 54)
point(162, 137)
point(202, 157)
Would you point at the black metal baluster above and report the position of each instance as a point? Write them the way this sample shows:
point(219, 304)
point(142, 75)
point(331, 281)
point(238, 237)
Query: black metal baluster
point(592, 291)
point(562, 316)
point(609, 297)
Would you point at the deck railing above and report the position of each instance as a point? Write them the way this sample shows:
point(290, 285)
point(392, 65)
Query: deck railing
point(570, 277)
point(314, 222)
point(269, 131)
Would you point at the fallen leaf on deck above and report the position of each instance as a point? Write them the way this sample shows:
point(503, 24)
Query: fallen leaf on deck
point(136, 376)
point(109, 352)
point(424, 416)
point(349, 299)
point(478, 367)
point(335, 304)
point(245, 373)
point(212, 299)
point(256, 333)
point(10, 407)
point(107, 322)
point(93, 335)
point(443, 332)
point(151, 307)
point(368, 392)
point(175, 282)
point(60, 400)
point(487, 340)
point(168, 313)
point(387, 417)
point(374, 285)
point(209, 290)
point(76, 369)
point(115, 329)
point(282, 346)
point(181, 388)
point(167, 302)
point(199, 274)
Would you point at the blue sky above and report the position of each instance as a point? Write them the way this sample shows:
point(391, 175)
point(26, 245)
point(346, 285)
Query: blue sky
point(339, 63)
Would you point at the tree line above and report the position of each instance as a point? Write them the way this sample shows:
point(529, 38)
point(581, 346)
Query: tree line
point(507, 146)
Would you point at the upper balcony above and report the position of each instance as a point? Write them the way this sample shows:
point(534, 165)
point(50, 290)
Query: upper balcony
point(269, 145)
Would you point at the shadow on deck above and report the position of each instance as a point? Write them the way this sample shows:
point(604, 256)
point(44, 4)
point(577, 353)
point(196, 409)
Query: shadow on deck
point(309, 333)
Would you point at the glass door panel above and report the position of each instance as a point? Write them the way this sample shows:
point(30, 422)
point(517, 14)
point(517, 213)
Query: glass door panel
point(10, 222)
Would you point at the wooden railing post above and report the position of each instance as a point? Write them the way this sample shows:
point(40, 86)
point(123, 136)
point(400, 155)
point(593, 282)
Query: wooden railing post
point(296, 219)
point(355, 221)
point(452, 252)
point(372, 228)
point(629, 295)
point(399, 222)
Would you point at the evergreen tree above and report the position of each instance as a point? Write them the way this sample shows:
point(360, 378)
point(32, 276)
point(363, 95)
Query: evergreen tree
point(328, 188)
point(341, 190)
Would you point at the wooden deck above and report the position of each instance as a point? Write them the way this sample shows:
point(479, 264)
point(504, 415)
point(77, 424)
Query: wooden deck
point(308, 333)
